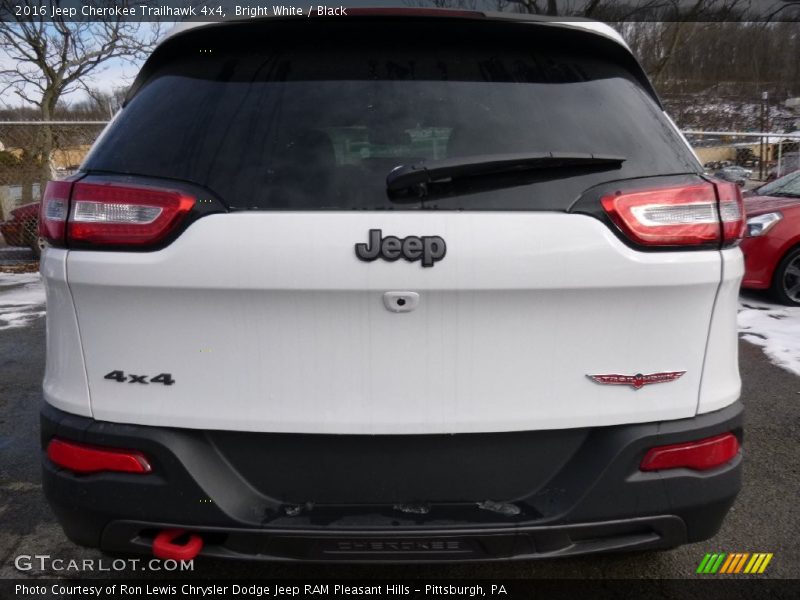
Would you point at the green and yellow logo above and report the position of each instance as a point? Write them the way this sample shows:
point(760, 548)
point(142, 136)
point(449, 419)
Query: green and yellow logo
point(734, 562)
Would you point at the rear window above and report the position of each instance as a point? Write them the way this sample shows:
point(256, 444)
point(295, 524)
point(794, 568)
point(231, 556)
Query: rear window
point(269, 120)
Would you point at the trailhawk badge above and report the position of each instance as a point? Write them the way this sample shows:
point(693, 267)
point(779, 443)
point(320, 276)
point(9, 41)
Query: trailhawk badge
point(637, 381)
point(428, 249)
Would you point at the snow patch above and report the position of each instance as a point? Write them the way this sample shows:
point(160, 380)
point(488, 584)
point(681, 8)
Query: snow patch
point(21, 299)
point(504, 508)
point(8, 279)
point(413, 509)
point(775, 328)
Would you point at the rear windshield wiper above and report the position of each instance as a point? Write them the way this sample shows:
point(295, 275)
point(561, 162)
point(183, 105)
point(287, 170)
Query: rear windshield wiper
point(421, 174)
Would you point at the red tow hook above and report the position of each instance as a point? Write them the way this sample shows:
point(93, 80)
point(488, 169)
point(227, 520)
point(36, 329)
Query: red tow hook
point(164, 545)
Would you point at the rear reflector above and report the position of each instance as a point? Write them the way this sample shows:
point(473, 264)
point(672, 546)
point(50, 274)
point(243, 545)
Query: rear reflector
point(53, 212)
point(688, 215)
point(700, 455)
point(82, 458)
point(123, 215)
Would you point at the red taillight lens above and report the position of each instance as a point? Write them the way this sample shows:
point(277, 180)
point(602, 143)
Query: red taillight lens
point(122, 215)
point(688, 215)
point(82, 458)
point(53, 212)
point(700, 455)
point(731, 212)
point(110, 214)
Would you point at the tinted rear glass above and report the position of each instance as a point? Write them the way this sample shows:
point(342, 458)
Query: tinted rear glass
point(270, 122)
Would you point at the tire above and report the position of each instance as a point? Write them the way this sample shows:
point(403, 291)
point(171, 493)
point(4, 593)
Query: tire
point(786, 281)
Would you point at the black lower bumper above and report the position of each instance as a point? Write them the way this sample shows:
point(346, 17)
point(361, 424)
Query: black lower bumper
point(394, 498)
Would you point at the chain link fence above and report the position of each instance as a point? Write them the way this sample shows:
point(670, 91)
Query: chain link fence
point(32, 153)
point(756, 156)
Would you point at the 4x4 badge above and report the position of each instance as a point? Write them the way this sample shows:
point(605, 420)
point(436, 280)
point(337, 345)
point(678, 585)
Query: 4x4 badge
point(428, 248)
point(637, 381)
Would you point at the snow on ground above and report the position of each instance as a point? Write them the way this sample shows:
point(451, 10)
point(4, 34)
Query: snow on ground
point(7, 280)
point(21, 299)
point(773, 327)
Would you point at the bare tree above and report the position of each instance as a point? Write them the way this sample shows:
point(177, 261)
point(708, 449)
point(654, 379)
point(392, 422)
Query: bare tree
point(58, 57)
point(102, 102)
point(48, 59)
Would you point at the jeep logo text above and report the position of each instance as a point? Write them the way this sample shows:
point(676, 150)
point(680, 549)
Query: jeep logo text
point(429, 249)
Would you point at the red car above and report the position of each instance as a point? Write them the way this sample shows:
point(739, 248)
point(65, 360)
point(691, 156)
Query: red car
point(21, 229)
point(772, 243)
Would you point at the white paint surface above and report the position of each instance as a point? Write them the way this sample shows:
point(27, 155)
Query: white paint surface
point(269, 322)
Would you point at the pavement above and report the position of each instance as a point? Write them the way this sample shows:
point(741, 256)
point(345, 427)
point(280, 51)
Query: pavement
point(765, 518)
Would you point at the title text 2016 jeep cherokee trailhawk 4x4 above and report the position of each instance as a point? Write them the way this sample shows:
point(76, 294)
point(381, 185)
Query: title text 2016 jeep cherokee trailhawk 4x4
point(391, 287)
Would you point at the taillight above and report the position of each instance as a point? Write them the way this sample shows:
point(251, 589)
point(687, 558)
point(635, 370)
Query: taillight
point(700, 455)
point(731, 212)
point(83, 458)
point(53, 212)
point(124, 215)
point(110, 213)
point(688, 215)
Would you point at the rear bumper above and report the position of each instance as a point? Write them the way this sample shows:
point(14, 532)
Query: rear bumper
point(394, 498)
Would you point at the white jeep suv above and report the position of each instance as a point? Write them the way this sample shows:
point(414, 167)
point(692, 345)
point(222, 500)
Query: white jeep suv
point(391, 286)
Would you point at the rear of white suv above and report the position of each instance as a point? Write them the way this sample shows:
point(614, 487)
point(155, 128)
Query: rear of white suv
point(318, 293)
